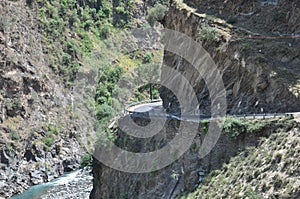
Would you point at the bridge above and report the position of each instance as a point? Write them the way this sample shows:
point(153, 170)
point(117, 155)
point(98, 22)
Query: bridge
point(154, 108)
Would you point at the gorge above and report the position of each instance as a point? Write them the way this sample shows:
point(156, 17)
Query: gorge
point(63, 89)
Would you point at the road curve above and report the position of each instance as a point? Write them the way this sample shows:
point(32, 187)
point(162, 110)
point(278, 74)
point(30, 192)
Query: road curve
point(154, 109)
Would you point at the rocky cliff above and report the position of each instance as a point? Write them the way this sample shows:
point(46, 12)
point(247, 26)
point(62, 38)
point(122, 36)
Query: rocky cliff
point(260, 70)
point(264, 16)
point(38, 136)
point(182, 176)
point(260, 74)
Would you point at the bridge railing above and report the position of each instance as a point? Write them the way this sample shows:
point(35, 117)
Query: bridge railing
point(148, 114)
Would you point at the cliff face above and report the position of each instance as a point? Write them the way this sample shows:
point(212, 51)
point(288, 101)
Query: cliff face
point(38, 138)
point(181, 177)
point(259, 74)
point(278, 17)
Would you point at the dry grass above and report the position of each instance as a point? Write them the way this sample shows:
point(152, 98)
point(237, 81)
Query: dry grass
point(270, 170)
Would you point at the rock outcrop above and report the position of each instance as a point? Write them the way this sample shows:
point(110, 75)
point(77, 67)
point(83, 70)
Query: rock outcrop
point(180, 177)
point(257, 73)
point(38, 135)
point(275, 17)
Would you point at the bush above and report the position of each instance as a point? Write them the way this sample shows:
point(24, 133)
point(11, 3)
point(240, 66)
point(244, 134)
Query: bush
point(157, 13)
point(277, 16)
point(66, 59)
point(208, 33)
point(15, 135)
point(249, 193)
point(13, 103)
point(104, 111)
point(205, 124)
point(121, 10)
point(88, 24)
point(48, 141)
point(52, 129)
point(234, 126)
point(105, 31)
point(147, 57)
point(86, 160)
point(107, 86)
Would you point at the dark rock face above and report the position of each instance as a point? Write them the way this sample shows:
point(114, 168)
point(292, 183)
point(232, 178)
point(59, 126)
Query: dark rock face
point(253, 83)
point(35, 167)
point(35, 123)
point(282, 17)
point(29, 156)
point(179, 177)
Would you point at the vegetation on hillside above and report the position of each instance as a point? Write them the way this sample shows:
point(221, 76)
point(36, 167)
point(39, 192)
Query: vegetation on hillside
point(78, 37)
point(72, 28)
point(266, 171)
point(234, 126)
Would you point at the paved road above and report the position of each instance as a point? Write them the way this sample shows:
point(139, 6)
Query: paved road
point(147, 107)
point(155, 109)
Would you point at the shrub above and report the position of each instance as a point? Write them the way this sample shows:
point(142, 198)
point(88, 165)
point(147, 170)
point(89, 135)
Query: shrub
point(255, 126)
point(107, 85)
point(147, 57)
point(88, 24)
point(121, 10)
point(3, 23)
point(104, 111)
point(233, 126)
point(13, 103)
point(277, 16)
point(193, 147)
point(249, 193)
point(86, 160)
point(15, 135)
point(48, 141)
point(66, 59)
point(204, 125)
point(105, 30)
point(277, 181)
point(157, 13)
point(52, 129)
point(211, 34)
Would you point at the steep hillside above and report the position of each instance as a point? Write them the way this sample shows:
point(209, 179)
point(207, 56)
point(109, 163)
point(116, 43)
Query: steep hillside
point(270, 17)
point(260, 74)
point(276, 21)
point(45, 48)
point(270, 170)
point(38, 139)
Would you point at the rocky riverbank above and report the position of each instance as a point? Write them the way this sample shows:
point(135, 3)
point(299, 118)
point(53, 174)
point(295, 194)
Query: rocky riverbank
point(79, 187)
point(40, 166)
point(76, 184)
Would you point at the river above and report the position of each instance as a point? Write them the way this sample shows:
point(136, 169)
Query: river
point(76, 184)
